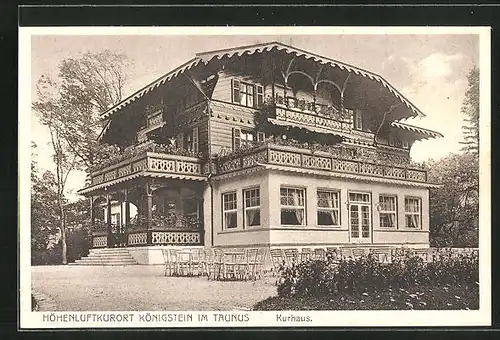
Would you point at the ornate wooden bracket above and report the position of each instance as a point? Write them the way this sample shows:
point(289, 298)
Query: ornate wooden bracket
point(391, 108)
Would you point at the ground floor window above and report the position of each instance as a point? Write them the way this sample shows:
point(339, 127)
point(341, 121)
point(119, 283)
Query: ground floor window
point(293, 210)
point(388, 214)
point(252, 207)
point(328, 207)
point(413, 212)
point(229, 210)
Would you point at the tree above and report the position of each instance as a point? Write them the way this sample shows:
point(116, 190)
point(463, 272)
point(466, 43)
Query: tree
point(454, 207)
point(44, 224)
point(69, 107)
point(470, 109)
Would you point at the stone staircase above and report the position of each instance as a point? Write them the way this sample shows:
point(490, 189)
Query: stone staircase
point(107, 257)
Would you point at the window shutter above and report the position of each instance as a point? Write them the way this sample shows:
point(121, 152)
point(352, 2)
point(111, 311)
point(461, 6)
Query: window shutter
point(261, 136)
point(195, 140)
point(235, 90)
point(236, 138)
point(259, 95)
point(180, 140)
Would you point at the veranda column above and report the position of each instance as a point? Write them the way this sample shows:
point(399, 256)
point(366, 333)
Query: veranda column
point(149, 211)
point(126, 222)
point(92, 219)
point(108, 219)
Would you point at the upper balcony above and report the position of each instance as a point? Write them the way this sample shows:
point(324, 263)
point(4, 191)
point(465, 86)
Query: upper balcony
point(291, 157)
point(314, 116)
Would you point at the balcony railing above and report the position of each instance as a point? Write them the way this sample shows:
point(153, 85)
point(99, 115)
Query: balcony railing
point(309, 114)
point(303, 158)
point(157, 162)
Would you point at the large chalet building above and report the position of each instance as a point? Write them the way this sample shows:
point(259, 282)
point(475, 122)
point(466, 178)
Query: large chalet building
point(261, 146)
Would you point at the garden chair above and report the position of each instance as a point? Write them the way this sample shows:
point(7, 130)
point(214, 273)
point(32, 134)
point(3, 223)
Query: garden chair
point(166, 262)
point(277, 261)
point(173, 262)
point(218, 264)
point(195, 262)
point(251, 262)
point(333, 254)
point(306, 254)
point(258, 265)
point(346, 253)
point(422, 253)
point(382, 255)
point(207, 262)
point(233, 264)
point(359, 253)
point(291, 256)
point(183, 259)
point(320, 254)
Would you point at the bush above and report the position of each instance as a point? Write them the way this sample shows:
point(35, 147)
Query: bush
point(78, 243)
point(321, 279)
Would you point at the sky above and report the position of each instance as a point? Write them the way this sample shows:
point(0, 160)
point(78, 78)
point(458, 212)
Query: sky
point(429, 69)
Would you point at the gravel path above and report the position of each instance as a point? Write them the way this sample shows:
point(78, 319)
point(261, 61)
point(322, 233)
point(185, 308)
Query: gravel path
point(141, 288)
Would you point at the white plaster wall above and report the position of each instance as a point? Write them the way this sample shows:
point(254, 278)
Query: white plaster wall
point(309, 233)
point(242, 235)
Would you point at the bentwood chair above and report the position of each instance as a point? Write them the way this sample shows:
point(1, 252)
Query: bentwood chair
point(382, 255)
point(422, 253)
point(320, 254)
point(173, 262)
point(306, 254)
point(346, 253)
point(166, 262)
point(277, 261)
point(333, 254)
point(183, 262)
point(359, 253)
point(218, 264)
point(195, 262)
point(207, 262)
point(291, 256)
point(251, 263)
point(258, 265)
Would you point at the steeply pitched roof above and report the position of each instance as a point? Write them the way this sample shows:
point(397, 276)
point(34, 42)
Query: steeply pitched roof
point(205, 57)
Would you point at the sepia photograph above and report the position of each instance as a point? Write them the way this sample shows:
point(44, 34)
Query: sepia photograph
point(259, 176)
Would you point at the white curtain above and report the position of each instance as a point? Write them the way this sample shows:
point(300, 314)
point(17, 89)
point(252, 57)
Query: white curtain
point(299, 213)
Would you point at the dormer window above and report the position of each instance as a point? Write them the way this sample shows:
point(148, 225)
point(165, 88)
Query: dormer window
point(247, 94)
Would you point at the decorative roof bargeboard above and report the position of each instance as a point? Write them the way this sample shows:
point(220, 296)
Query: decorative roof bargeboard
point(205, 57)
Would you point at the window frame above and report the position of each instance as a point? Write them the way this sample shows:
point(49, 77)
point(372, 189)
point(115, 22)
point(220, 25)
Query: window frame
point(394, 212)
point(254, 207)
point(295, 207)
point(419, 213)
point(229, 211)
point(318, 208)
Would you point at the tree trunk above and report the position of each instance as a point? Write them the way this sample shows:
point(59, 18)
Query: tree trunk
point(62, 225)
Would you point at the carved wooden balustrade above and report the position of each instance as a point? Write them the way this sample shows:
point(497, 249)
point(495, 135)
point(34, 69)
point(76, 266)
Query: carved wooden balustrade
point(303, 158)
point(151, 162)
point(314, 114)
point(165, 230)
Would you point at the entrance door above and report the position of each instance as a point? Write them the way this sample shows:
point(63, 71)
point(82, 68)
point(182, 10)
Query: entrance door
point(360, 217)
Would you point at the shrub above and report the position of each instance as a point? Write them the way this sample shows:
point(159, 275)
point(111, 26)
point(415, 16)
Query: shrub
point(320, 279)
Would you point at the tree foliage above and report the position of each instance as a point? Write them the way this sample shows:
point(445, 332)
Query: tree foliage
point(470, 109)
point(69, 106)
point(44, 223)
point(455, 206)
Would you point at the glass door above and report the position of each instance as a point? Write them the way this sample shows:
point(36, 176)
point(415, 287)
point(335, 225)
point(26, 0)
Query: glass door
point(360, 218)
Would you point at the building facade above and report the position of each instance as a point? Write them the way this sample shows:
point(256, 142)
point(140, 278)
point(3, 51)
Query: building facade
point(263, 145)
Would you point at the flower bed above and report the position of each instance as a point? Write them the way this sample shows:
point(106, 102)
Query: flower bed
point(402, 283)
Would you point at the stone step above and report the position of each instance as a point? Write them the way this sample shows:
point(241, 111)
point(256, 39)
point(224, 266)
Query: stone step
point(102, 264)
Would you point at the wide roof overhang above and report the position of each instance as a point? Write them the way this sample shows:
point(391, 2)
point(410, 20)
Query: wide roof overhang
point(206, 57)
